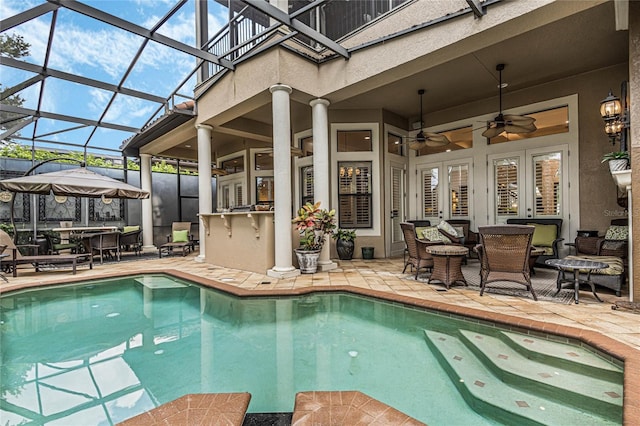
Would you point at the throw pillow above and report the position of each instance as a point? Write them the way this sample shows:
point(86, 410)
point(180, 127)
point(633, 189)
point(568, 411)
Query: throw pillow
point(180, 236)
point(433, 234)
point(459, 231)
point(420, 231)
point(544, 235)
point(446, 227)
point(131, 228)
point(617, 232)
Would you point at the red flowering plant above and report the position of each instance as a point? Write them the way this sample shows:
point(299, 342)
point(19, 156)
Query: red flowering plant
point(314, 224)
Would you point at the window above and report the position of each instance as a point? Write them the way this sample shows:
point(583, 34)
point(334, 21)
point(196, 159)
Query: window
point(354, 140)
point(547, 184)
point(233, 165)
point(548, 122)
point(263, 161)
point(506, 178)
point(354, 195)
point(264, 190)
point(306, 177)
point(306, 145)
point(430, 205)
point(394, 144)
point(459, 190)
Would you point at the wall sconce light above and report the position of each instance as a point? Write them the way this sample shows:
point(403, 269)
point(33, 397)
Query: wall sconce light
point(615, 113)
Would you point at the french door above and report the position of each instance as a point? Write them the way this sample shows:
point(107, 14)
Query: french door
point(446, 190)
point(397, 203)
point(528, 184)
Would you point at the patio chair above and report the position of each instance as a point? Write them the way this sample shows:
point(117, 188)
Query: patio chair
point(504, 252)
point(417, 257)
point(180, 239)
point(55, 244)
point(105, 243)
point(131, 241)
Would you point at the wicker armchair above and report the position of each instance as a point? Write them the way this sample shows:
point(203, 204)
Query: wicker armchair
point(504, 252)
point(417, 257)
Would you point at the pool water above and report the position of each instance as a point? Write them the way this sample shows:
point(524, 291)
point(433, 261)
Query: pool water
point(99, 353)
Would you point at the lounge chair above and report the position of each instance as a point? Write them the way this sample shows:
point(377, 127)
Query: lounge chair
point(16, 258)
point(504, 252)
point(180, 239)
point(416, 248)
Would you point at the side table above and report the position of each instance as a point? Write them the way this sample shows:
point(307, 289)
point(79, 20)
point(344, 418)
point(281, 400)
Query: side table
point(447, 264)
point(576, 266)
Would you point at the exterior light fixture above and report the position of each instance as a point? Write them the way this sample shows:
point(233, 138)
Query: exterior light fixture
point(615, 113)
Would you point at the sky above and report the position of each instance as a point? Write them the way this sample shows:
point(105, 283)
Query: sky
point(89, 48)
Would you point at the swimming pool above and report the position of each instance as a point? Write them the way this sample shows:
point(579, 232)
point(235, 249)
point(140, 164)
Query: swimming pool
point(101, 352)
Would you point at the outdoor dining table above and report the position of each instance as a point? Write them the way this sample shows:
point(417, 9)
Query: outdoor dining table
point(576, 266)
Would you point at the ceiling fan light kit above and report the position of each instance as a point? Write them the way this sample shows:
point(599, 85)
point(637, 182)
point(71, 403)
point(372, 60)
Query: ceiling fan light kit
point(509, 123)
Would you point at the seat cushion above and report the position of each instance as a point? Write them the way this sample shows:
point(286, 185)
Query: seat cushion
point(432, 233)
point(617, 232)
point(446, 227)
point(616, 267)
point(131, 228)
point(180, 236)
point(544, 235)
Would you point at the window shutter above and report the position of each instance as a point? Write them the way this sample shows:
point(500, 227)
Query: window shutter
point(506, 180)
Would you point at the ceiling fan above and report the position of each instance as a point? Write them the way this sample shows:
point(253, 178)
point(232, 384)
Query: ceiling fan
point(424, 139)
point(509, 123)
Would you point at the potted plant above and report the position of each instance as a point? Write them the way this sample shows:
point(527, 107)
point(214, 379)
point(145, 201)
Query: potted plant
point(345, 242)
point(313, 224)
point(618, 160)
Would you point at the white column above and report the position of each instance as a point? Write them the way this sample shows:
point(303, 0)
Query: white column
point(147, 204)
point(204, 182)
point(282, 177)
point(321, 178)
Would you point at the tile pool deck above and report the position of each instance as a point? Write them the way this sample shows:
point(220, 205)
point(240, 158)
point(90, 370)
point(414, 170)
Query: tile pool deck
point(594, 322)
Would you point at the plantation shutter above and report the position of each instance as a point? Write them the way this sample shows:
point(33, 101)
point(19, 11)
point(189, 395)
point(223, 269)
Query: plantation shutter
point(430, 200)
point(547, 184)
point(459, 190)
point(506, 190)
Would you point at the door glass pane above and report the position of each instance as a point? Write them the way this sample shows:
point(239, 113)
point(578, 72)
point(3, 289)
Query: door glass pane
point(430, 193)
point(547, 184)
point(459, 190)
point(506, 180)
point(397, 212)
point(306, 177)
point(264, 190)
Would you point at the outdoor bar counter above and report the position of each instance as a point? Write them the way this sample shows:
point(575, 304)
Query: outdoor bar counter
point(240, 240)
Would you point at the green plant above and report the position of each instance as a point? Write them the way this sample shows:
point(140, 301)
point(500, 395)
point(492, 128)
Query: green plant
point(7, 227)
point(344, 234)
point(313, 223)
point(618, 155)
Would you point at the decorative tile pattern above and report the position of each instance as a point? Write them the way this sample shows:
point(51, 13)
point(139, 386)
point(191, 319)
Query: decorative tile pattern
point(502, 356)
point(612, 394)
point(522, 404)
point(457, 358)
point(479, 383)
point(545, 375)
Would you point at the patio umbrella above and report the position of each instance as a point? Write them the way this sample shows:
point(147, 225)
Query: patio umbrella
point(77, 182)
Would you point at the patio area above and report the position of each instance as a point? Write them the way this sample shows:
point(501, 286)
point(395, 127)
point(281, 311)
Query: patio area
point(386, 275)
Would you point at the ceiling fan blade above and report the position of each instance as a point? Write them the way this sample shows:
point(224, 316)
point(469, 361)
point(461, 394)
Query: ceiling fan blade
point(436, 139)
point(520, 120)
point(416, 145)
point(513, 128)
point(493, 131)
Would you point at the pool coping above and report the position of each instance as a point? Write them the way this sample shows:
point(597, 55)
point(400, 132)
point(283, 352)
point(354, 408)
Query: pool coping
point(606, 345)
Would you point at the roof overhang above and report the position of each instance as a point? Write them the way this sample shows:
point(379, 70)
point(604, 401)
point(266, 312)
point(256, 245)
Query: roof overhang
point(162, 126)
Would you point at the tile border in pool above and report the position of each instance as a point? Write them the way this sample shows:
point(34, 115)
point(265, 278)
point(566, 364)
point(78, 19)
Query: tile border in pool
point(612, 348)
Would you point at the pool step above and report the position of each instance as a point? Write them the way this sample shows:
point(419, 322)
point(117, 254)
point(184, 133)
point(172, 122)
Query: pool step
point(510, 403)
point(575, 359)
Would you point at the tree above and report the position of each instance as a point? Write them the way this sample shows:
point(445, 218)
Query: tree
point(12, 46)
